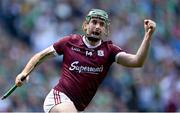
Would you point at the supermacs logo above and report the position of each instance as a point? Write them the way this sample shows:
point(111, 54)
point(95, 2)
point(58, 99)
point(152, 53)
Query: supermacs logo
point(85, 69)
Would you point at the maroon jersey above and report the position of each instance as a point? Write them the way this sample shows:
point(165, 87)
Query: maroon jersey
point(83, 68)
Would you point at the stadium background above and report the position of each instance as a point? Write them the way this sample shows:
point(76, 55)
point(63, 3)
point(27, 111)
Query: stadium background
point(28, 26)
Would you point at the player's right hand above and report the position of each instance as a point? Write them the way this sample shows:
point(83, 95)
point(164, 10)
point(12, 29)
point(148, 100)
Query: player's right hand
point(20, 79)
point(149, 26)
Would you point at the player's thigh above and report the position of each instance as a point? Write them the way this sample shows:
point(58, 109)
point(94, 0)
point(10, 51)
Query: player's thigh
point(64, 107)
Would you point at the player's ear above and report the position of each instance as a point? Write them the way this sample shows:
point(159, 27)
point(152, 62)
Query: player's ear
point(84, 26)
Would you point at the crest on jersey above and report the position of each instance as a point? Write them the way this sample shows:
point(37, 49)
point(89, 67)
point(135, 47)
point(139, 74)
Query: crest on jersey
point(100, 53)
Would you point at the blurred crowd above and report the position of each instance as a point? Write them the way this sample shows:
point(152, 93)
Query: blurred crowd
point(28, 26)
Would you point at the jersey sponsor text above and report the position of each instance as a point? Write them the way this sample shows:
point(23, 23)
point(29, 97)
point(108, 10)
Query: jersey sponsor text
point(85, 69)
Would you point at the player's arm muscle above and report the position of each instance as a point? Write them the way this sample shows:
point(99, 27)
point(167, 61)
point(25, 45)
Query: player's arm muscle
point(138, 59)
point(131, 60)
point(37, 59)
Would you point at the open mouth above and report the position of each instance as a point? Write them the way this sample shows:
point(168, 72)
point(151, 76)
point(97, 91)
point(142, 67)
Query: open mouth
point(94, 36)
point(96, 33)
point(94, 39)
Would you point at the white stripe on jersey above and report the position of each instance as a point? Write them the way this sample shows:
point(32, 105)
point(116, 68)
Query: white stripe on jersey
point(54, 51)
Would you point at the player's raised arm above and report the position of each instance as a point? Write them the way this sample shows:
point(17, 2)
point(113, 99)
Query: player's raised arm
point(33, 62)
point(138, 59)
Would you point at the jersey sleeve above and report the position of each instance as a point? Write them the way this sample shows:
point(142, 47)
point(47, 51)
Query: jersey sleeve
point(114, 51)
point(60, 45)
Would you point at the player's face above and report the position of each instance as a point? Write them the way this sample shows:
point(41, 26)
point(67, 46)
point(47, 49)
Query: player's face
point(96, 28)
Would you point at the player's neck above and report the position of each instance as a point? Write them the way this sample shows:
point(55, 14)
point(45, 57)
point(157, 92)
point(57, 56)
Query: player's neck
point(92, 42)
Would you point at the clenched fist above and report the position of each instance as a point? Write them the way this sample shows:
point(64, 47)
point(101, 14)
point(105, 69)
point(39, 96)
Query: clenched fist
point(149, 26)
point(20, 78)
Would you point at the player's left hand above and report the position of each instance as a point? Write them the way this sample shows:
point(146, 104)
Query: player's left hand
point(149, 26)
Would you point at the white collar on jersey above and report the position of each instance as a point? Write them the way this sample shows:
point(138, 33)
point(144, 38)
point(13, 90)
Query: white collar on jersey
point(90, 46)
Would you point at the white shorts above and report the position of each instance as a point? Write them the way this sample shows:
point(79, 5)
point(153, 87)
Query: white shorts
point(53, 98)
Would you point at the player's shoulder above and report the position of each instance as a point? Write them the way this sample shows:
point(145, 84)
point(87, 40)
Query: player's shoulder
point(75, 38)
point(110, 44)
point(72, 37)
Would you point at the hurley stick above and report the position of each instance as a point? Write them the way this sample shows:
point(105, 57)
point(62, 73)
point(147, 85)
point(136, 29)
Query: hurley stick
point(11, 90)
